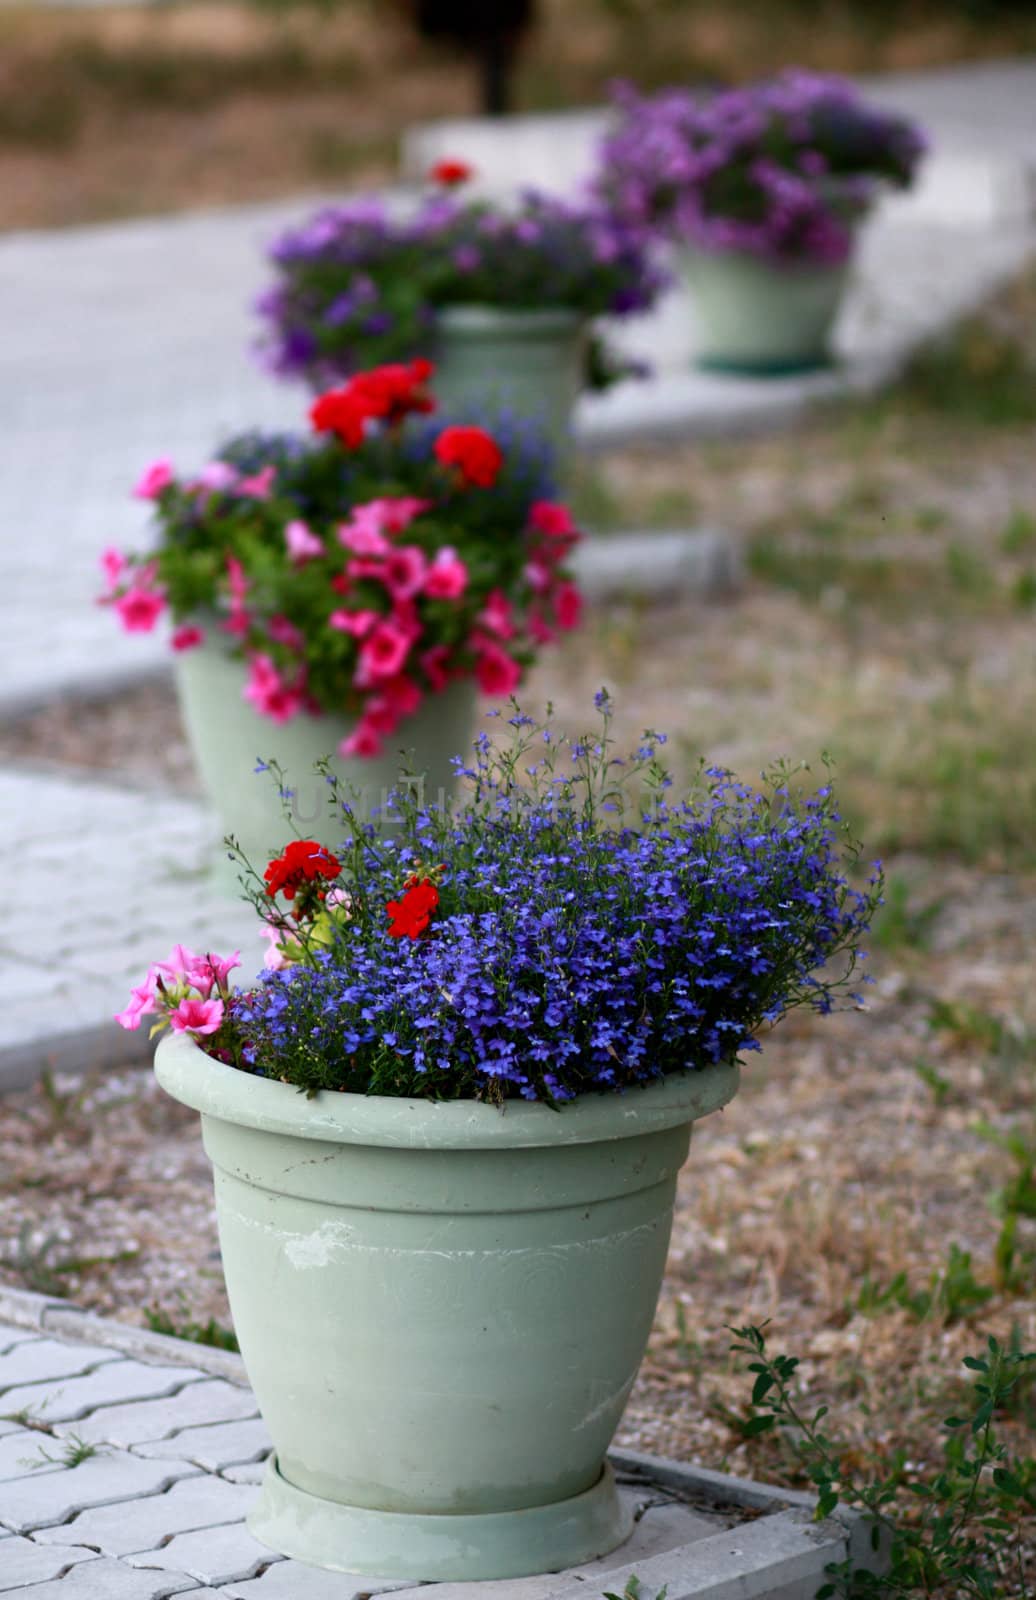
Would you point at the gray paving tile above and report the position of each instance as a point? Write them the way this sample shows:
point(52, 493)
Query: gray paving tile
point(226, 1444)
point(214, 1556)
point(203, 1501)
point(44, 1498)
point(24, 1450)
point(293, 1580)
point(110, 1580)
point(23, 1563)
point(37, 1360)
point(201, 1403)
point(71, 1398)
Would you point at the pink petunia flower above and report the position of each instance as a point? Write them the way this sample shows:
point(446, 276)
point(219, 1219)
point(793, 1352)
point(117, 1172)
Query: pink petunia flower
point(539, 628)
point(274, 960)
point(113, 565)
point(187, 637)
point(401, 693)
point(302, 543)
point(268, 693)
point(496, 615)
point(553, 519)
point(405, 570)
point(139, 609)
point(447, 577)
point(382, 653)
point(434, 665)
point(282, 631)
point(196, 1016)
point(143, 1001)
point(540, 577)
point(397, 513)
point(380, 716)
point(217, 477)
point(154, 479)
point(259, 486)
point(497, 673)
point(358, 623)
point(208, 970)
point(364, 742)
point(363, 538)
point(568, 605)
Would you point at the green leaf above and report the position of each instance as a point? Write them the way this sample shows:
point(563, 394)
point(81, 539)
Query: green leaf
point(756, 1426)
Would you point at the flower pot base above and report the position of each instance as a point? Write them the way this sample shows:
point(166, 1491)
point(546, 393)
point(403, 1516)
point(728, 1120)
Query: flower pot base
point(440, 1548)
point(765, 369)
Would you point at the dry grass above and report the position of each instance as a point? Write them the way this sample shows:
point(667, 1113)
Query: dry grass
point(109, 113)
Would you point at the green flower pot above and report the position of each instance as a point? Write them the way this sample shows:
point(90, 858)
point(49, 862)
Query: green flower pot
point(442, 1308)
point(762, 319)
point(228, 736)
point(530, 362)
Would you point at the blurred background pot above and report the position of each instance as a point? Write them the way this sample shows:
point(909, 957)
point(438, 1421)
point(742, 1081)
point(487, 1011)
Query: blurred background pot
point(759, 317)
point(530, 363)
point(442, 1308)
point(228, 736)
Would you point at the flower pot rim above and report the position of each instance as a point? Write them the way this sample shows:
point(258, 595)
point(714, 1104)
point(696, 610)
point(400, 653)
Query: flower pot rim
point(216, 1090)
point(481, 317)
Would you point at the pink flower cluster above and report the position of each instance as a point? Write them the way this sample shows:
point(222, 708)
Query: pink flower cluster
point(189, 992)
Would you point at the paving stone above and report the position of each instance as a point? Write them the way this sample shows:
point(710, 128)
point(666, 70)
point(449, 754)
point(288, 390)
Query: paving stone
point(23, 1562)
point(121, 1530)
point(226, 1444)
point(110, 1580)
point(22, 1451)
point(45, 1498)
point(212, 1400)
point(39, 1360)
point(213, 1555)
point(9, 1337)
point(293, 1580)
point(118, 1381)
point(250, 1472)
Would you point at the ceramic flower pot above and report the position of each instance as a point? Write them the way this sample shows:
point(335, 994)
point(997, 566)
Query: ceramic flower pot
point(529, 362)
point(227, 737)
point(442, 1308)
point(762, 319)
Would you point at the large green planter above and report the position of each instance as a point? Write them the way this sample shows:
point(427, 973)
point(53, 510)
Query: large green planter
point(227, 736)
point(441, 1308)
point(490, 361)
point(758, 318)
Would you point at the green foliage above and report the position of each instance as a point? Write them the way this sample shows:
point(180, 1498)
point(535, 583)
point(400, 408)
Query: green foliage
point(952, 1294)
point(977, 374)
point(961, 1537)
point(634, 1590)
point(1018, 533)
point(1013, 1201)
point(901, 924)
point(210, 1332)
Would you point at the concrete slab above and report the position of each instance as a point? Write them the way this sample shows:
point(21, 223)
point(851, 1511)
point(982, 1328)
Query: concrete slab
point(124, 1526)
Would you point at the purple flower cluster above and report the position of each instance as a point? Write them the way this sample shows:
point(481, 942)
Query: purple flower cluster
point(569, 952)
point(358, 285)
point(780, 169)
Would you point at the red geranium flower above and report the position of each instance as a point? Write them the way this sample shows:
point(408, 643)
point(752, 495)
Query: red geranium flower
point(385, 394)
point(302, 861)
point(339, 412)
point(474, 453)
point(450, 173)
point(409, 917)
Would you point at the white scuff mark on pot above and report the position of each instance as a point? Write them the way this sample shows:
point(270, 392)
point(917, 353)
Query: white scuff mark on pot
point(317, 1249)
